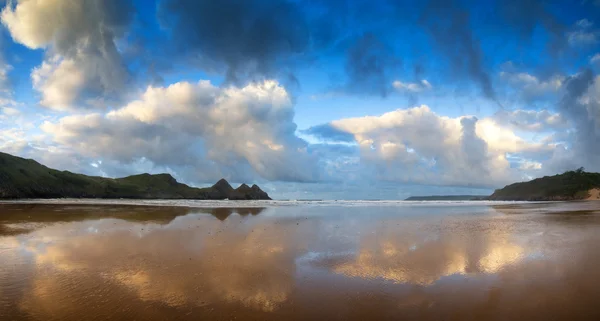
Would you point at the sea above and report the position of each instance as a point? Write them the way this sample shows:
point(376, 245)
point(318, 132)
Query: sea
point(73, 259)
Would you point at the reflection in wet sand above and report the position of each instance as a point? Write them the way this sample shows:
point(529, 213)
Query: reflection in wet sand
point(223, 213)
point(18, 218)
point(192, 260)
point(207, 272)
point(403, 256)
point(485, 263)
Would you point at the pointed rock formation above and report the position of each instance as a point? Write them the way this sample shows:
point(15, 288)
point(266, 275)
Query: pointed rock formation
point(222, 189)
point(258, 194)
point(243, 187)
point(245, 192)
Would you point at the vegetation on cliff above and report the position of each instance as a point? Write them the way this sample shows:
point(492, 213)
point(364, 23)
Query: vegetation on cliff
point(26, 178)
point(571, 185)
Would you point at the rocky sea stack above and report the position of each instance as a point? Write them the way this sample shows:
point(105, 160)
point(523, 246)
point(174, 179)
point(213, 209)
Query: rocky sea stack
point(243, 192)
point(26, 178)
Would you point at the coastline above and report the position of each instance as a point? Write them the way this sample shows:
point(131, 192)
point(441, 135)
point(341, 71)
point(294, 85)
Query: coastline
point(254, 203)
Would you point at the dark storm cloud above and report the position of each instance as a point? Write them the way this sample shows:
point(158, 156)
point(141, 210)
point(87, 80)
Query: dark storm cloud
point(565, 25)
point(524, 16)
point(249, 40)
point(449, 24)
point(585, 115)
point(370, 66)
point(575, 87)
point(246, 38)
point(473, 147)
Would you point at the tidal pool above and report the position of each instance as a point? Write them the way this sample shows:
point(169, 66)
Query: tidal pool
point(538, 261)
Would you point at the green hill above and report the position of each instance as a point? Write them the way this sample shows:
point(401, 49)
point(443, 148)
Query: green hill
point(26, 178)
point(571, 185)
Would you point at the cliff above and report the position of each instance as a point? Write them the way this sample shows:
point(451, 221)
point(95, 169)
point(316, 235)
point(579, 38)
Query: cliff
point(26, 178)
point(571, 185)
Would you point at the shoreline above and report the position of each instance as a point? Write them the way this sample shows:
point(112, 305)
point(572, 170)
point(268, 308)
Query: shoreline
point(252, 203)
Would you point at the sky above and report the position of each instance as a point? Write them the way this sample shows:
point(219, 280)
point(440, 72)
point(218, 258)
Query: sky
point(313, 99)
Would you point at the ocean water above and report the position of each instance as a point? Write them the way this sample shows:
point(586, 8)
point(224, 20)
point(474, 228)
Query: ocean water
point(299, 260)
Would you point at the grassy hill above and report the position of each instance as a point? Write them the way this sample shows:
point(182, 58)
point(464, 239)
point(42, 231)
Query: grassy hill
point(571, 185)
point(26, 178)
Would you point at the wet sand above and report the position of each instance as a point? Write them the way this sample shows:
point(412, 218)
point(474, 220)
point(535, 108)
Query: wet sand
point(421, 262)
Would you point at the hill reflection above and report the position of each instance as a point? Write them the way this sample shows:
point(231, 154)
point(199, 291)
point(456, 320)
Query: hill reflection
point(23, 218)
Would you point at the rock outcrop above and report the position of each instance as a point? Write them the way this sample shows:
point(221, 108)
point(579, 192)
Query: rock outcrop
point(243, 192)
point(222, 190)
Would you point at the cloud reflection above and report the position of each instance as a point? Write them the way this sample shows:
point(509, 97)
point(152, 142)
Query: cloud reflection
point(400, 255)
point(281, 262)
point(193, 260)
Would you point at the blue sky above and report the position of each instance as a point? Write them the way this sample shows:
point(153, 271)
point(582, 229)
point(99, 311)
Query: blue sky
point(312, 99)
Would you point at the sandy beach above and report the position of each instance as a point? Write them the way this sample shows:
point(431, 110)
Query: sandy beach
point(417, 262)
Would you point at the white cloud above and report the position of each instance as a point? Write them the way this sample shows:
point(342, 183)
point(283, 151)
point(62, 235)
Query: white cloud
point(10, 135)
point(200, 133)
point(59, 81)
point(423, 85)
point(583, 35)
point(203, 130)
point(417, 145)
point(8, 111)
point(39, 24)
point(580, 104)
point(584, 23)
point(582, 38)
point(529, 165)
point(5, 87)
point(4, 80)
point(532, 120)
point(21, 142)
point(595, 58)
point(83, 62)
point(531, 87)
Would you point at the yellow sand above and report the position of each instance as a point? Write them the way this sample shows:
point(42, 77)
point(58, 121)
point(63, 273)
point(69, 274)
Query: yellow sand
point(594, 194)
